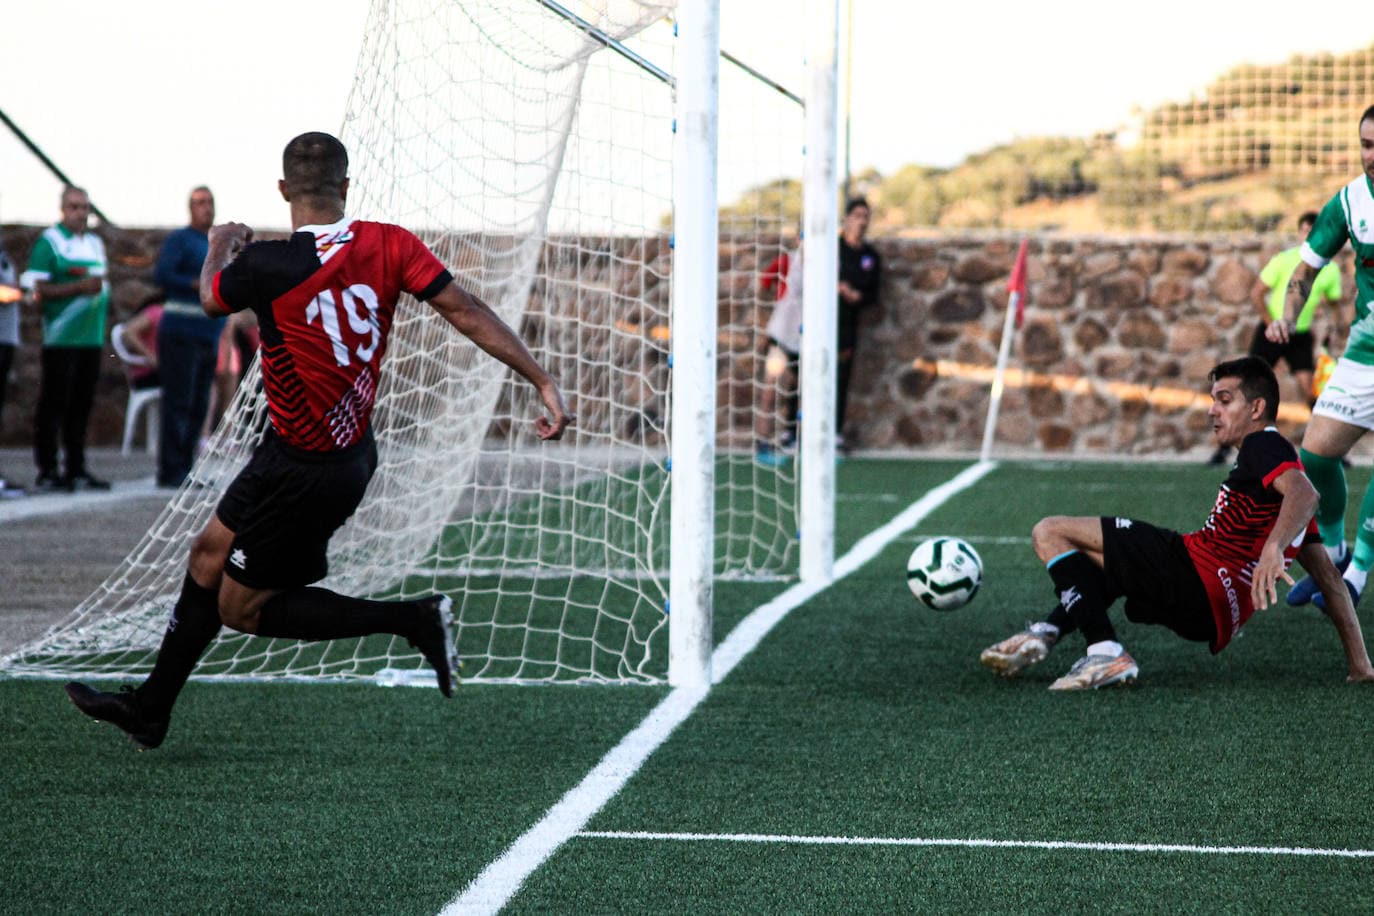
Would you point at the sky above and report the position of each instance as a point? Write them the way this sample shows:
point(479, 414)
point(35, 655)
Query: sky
point(141, 100)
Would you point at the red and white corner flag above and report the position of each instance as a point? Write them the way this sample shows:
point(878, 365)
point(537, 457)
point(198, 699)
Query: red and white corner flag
point(1016, 309)
point(1016, 286)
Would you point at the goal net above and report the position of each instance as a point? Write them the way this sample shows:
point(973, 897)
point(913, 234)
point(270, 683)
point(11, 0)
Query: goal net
point(762, 139)
point(536, 162)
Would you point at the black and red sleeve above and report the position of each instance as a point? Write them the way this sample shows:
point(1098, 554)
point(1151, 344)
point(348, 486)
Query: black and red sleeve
point(236, 284)
point(1262, 458)
point(422, 274)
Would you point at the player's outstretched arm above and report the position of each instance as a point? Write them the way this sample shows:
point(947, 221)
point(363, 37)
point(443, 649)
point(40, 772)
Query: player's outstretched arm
point(1298, 506)
point(1338, 607)
point(226, 240)
point(475, 320)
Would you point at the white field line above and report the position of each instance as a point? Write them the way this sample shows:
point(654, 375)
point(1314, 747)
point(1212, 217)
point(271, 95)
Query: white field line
point(972, 843)
point(501, 879)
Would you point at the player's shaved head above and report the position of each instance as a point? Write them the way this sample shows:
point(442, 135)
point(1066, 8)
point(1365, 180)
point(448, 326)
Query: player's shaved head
point(315, 165)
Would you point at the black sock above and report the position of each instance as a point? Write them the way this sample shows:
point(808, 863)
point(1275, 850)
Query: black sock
point(194, 624)
point(1062, 619)
point(1084, 595)
point(317, 614)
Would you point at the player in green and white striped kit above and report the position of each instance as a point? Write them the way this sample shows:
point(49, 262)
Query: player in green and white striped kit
point(1345, 410)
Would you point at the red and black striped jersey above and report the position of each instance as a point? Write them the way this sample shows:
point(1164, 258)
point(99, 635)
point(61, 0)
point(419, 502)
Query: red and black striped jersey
point(325, 299)
point(1226, 549)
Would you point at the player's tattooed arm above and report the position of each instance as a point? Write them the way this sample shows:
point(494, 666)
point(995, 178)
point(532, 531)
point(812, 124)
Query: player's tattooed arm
point(1299, 289)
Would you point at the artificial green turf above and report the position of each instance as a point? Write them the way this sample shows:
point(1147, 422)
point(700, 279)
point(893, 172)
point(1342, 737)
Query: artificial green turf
point(862, 714)
point(866, 715)
point(287, 798)
point(635, 876)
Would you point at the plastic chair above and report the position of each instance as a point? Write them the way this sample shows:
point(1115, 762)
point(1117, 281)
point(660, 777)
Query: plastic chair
point(141, 400)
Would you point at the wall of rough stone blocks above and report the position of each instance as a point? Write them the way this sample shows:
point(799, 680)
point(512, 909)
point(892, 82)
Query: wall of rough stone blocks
point(1112, 360)
point(1118, 334)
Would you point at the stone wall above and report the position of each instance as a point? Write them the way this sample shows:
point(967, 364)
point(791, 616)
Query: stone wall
point(1118, 336)
point(1118, 333)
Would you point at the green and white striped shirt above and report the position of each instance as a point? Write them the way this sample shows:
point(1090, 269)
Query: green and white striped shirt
point(60, 256)
point(1349, 217)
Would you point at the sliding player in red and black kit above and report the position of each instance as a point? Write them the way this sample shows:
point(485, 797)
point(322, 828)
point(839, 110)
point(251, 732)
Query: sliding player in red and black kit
point(325, 299)
point(1203, 585)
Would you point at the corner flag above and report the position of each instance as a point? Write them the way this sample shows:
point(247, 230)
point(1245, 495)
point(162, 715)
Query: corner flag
point(1016, 309)
point(1016, 286)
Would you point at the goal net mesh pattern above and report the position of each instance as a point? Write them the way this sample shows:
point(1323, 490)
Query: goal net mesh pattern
point(537, 165)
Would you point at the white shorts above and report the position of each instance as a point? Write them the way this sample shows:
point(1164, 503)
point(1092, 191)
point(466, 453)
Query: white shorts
point(1348, 395)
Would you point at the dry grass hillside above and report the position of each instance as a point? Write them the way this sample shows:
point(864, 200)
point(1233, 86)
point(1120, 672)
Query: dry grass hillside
point(1249, 152)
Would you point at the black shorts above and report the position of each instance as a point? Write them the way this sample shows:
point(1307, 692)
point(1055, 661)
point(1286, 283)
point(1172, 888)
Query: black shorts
point(1297, 352)
point(284, 506)
point(1151, 567)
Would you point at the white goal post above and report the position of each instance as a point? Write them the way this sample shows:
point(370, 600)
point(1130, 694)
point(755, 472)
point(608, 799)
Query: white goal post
point(818, 309)
point(695, 246)
point(542, 154)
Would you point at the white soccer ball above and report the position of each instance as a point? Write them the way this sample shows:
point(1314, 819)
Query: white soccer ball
point(944, 573)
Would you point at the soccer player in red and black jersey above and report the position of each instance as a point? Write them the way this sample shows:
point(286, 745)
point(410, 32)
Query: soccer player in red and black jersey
point(1203, 585)
point(324, 299)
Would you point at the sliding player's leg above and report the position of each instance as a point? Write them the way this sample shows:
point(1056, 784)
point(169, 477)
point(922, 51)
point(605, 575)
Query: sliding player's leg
point(1071, 548)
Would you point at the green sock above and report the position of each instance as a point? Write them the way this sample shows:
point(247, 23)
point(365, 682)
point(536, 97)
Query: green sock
point(1328, 476)
point(1364, 533)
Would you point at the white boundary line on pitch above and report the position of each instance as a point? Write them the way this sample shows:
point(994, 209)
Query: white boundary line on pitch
point(972, 843)
point(500, 880)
